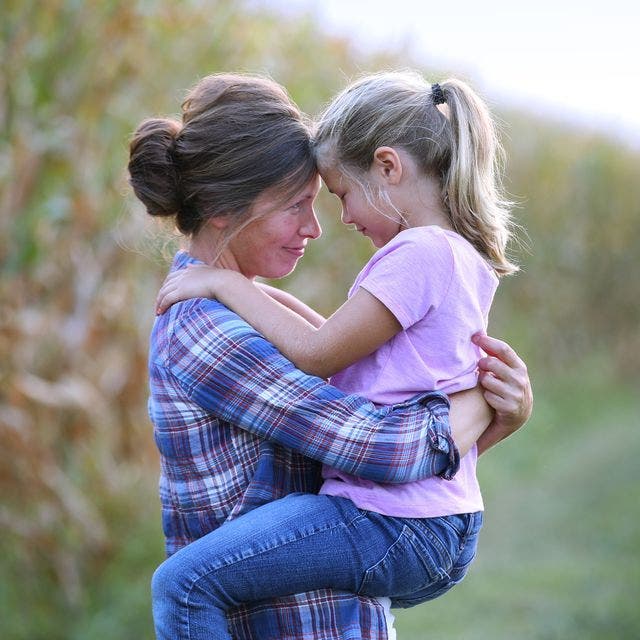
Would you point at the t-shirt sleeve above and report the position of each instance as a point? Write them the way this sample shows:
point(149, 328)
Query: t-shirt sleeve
point(411, 274)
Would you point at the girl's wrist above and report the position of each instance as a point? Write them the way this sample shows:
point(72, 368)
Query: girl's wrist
point(226, 282)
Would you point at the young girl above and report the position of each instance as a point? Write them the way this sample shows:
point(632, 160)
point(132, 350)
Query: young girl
point(415, 166)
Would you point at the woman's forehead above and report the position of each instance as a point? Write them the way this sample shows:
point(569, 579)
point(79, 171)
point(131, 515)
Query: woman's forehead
point(309, 190)
point(274, 198)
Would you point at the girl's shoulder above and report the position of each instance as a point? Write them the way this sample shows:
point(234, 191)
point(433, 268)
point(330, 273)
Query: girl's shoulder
point(445, 244)
point(421, 255)
point(416, 239)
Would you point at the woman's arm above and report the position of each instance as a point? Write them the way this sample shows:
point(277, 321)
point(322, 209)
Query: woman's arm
point(229, 370)
point(243, 380)
point(507, 388)
point(469, 416)
point(356, 329)
point(499, 406)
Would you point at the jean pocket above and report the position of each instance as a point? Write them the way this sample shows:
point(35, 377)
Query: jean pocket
point(408, 566)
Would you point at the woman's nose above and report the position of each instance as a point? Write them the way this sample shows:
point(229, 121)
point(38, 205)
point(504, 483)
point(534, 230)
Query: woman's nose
point(345, 217)
point(311, 227)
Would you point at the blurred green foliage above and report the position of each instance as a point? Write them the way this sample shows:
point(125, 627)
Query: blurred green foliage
point(80, 266)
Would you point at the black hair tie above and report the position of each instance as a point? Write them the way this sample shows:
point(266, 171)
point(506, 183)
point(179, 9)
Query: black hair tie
point(437, 94)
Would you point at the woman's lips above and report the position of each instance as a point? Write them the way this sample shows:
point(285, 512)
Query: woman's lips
point(296, 251)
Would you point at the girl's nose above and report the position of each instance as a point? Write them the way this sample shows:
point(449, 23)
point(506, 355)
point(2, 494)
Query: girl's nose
point(345, 217)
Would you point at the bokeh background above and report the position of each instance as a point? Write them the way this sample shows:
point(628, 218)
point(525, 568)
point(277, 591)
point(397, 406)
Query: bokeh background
point(80, 265)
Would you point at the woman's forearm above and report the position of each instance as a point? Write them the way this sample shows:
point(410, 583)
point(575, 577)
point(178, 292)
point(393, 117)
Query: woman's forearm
point(469, 416)
point(275, 401)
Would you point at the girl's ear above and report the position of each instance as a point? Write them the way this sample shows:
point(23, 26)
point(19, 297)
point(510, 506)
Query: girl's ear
point(387, 163)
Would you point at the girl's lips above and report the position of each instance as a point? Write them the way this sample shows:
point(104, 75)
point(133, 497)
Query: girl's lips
point(297, 251)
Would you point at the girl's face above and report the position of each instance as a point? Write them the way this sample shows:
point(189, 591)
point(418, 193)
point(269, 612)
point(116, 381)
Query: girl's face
point(377, 224)
point(272, 244)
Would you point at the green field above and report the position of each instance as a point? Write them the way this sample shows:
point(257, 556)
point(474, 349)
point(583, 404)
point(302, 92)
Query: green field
point(558, 554)
point(557, 557)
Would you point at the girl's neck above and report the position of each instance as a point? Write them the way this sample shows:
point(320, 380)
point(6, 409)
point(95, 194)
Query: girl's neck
point(421, 202)
point(418, 196)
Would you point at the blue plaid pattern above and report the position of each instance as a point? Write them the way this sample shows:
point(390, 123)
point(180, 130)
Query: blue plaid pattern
point(237, 426)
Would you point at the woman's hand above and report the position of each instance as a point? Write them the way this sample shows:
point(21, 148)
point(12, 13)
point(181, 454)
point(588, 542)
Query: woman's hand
point(507, 388)
point(196, 281)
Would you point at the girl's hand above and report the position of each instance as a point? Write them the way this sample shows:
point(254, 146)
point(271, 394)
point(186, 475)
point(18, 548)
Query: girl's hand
point(507, 388)
point(196, 281)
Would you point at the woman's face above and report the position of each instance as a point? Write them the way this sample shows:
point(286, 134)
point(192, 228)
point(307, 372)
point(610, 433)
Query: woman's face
point(272, 244)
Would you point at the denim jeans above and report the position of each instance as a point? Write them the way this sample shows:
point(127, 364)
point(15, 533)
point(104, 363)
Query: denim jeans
point(303, 542)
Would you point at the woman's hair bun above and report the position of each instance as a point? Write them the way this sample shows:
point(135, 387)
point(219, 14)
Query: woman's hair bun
point(152, 172)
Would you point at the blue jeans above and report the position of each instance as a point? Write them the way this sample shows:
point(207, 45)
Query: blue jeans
point(304, 542)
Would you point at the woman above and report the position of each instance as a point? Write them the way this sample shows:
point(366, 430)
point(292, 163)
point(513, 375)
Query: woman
point(236, 424)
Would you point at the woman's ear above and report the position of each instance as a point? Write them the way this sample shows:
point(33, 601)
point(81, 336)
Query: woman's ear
point(219, 222)
point(387, 163)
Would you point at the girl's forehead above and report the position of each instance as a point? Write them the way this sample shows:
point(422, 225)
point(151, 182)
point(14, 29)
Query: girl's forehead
point(333, 177)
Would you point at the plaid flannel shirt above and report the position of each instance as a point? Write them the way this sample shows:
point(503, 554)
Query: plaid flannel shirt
point(237, 426)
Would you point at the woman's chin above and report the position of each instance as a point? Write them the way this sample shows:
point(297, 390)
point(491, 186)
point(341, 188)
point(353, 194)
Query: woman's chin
point(275, 272)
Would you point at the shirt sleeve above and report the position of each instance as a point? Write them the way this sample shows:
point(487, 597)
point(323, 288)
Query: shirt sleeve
point(227, 368)
point(412, 274)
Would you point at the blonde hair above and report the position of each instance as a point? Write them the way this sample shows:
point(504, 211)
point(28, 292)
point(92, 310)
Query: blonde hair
point(455, 142)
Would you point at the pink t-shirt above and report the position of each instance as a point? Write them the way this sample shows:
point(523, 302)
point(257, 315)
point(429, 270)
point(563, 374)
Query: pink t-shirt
point(440, 289)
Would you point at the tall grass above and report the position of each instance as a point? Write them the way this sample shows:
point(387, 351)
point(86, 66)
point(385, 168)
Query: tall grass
point(79, 269)
point(558, 553)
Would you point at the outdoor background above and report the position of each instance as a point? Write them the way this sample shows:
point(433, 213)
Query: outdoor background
point(80, 266)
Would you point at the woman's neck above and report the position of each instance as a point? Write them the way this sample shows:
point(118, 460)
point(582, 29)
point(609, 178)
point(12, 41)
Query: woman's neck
point(204, 247)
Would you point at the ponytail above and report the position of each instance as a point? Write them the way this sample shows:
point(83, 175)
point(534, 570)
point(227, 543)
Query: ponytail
point(471, 184)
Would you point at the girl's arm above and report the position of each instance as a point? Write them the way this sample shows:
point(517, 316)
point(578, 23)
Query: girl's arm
point(356, 329)
point(290, 301)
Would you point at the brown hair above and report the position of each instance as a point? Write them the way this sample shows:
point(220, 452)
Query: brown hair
point(240, 135)
point(451, 136)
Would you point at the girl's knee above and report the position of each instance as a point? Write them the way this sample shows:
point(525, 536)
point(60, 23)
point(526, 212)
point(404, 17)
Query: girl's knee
point(166, 582)
point(178, 581)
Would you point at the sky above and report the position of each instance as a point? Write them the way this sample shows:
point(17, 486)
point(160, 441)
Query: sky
point(575, 61)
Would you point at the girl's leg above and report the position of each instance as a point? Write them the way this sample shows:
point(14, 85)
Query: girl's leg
point(449, 546)
point(292, 545)
point(296, 544)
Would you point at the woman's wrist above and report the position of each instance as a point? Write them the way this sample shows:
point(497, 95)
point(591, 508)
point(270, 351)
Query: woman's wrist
point(469, 416)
